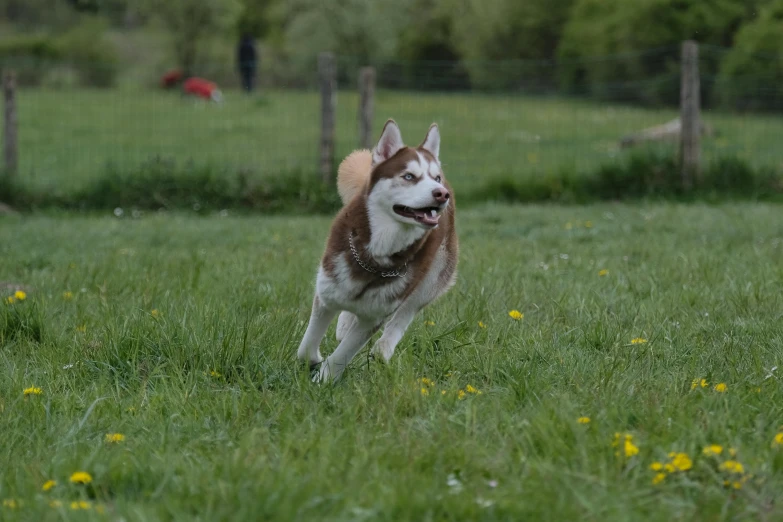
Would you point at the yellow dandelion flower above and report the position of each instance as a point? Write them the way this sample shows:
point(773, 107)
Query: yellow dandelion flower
point(757, 389)
point(429, 323)
point(10, 503)
point(33, 391)
point(682, 462)
point(443, 392)
point(732, 452)
point(777, 441)
point(630, 449)
point(20, 296)
point(81, 328)
point(638, 340)
point(49, 484)
point(425, 391)
point(67, 296)
point(603, 272)
point(721, 387)
point(618, 436)
point(712, 450)
point(214, 373)
point(461, 394)
point(471, 389)
point(588, 224)
point(732, 466)
point(481, 324)
point(669, 467)
point(656, 466)
point(55, 504)
point(583, 420)
point(658, 478)
point(154, 313)
point(516, 315)
point(427, 382)
point(736, 485)
point(10, 300)
point(115, 437)
point(81, 477)
point(80, 504)
point(699, 382)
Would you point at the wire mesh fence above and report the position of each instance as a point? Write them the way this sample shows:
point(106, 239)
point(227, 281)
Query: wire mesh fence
point(499, 120)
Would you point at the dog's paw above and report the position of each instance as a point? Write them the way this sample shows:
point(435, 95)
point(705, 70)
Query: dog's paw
point(383, 350)
point(321, 375)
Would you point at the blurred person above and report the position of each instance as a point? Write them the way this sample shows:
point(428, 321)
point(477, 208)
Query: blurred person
point(247, 59)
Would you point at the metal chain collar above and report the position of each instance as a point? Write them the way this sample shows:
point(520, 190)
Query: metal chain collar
point(392, 273)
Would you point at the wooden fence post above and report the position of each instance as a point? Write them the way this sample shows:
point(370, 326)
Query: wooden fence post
point(327, 77)
point(10, 156)
point(690, 117)
point(366, 106)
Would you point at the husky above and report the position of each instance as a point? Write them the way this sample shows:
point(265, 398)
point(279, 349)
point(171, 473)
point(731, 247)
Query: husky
point(392, 250)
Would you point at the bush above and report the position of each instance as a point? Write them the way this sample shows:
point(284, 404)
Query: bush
point(161, 183)
point(82, 49)
point(643, 39)
point(428, 56)
point(85, 49)
point(30, 56)
point(642, 175)
point(751, 74)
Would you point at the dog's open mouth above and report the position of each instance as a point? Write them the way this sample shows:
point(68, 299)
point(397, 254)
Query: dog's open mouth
point(426, 216)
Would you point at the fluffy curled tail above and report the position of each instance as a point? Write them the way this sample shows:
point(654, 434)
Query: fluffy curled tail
point(353, 174)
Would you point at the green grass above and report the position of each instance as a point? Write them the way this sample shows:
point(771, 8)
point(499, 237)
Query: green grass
point(67, 138)
point(258, 441)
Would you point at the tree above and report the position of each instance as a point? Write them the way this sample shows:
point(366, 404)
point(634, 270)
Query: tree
point(752, 72)
point(361, 29)
point(192, 23)
point(639, 45)
point(528, 30)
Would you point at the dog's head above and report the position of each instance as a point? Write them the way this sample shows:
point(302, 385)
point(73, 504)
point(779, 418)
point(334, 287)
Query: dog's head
point(406, 182)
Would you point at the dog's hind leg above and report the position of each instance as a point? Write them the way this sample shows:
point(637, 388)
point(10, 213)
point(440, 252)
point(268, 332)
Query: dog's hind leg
point(309, 348)
point(345, 322)
point(394, 330)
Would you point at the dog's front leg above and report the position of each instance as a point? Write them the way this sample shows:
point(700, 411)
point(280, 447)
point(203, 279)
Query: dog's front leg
point(320, 317)
point(334, 365)
point(394, 330)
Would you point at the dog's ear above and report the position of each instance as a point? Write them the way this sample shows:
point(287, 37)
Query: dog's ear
point(389, 144)
point(432, 142)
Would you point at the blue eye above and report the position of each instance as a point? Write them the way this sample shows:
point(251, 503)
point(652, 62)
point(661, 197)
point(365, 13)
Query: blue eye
point(438, 178)
point(408, 177)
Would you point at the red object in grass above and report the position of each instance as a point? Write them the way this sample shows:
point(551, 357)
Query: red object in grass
point(171, 78)
point(202, 88)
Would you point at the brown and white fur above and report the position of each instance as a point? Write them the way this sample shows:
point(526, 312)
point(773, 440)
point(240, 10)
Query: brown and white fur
point(389, 196)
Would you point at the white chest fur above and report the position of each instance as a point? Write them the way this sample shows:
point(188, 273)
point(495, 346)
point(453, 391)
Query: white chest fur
point(341, 291)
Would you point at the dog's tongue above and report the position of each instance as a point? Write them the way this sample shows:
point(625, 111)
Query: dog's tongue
point(426, 217)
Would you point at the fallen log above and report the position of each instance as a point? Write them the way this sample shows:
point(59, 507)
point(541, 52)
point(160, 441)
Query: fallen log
point(669, 131)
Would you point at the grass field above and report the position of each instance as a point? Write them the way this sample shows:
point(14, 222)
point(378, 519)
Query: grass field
point(179, 333)
point(68, 137)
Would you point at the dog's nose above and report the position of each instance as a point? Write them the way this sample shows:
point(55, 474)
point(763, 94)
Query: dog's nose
point(441, 195)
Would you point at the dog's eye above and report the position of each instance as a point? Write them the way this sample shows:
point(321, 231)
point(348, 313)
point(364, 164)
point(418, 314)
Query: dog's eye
point(438, 179)
point(408, 177)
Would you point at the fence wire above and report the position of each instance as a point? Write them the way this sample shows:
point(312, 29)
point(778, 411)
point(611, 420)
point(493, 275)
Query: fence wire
point(499, 120)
